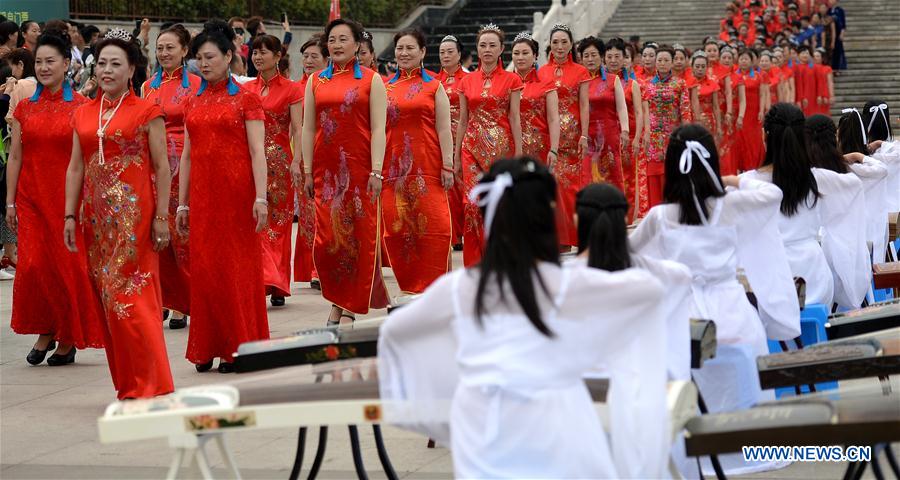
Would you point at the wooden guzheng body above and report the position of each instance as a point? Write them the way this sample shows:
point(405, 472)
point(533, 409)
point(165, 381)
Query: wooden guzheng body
point(879, 316)
point(875, 354)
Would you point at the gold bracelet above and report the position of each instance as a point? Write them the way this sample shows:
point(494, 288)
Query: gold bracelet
point(161, 218)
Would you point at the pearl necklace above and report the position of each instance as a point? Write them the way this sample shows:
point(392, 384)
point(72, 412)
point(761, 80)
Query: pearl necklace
point(101, 127)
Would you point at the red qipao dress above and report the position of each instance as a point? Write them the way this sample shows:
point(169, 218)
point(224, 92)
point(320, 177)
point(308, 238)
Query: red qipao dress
point(629, 164)
point(720, 72)
point(821, 73)
point(749, 147)
point(347, 218)
point(568, 77)
point(52, 292)
point(171, 93)
point(278, 94)
point(488, 138)
point(413, 201)
point(805, 81)
point(604, 155)
point(706, 88)
point(304, 270)
point(533, 115)
point(775, 79)
point(669, 106)
point(228, 303)
point(119, 206)
point(454, 195)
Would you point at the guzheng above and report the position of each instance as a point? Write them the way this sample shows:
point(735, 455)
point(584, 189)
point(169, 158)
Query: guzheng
point(878, 316)
point(854, 420)
point(338, 393)
point(893, 231)
point(875, 354)
point(318, 345)
point(886, 275)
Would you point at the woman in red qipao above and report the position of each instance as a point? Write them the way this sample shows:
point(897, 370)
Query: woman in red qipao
point(223, 206)
point(539, 106)
point(647, 69)
point(489, 128)
point(773, 74)
point(52, 295)
point(824, 82)
point(732, 102)
point(418, 171)
point(281, 100)
point(805, 75)
point(705, 96)
point(749, 147)
point(608, 128)
point(618, 57)
point(170, 88)
point(119, 145)
point(681, 66)
point(450, 76)
point(304, 270)
point(344, 111)
point(666, 106)
point(571, 81)
point(786, 88)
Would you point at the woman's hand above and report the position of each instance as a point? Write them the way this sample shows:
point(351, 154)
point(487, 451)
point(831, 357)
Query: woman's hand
point(308, 185)
point(447, 178)
point(731, 181)
point(11, 220)
point(873, 147)
point(623, 140)
point(261, 215)
point(761, 117)
point(582, 146)
point(69, 235)
point(297, 175)
point(373, 188)
point(646, 140)
point(635, 149)
point(551, 160)
point(182, 219)
point(160, 232)
point(854, 157)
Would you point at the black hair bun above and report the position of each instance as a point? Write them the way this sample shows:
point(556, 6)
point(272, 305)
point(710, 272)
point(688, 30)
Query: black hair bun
point(217, 27)
point(58, 35)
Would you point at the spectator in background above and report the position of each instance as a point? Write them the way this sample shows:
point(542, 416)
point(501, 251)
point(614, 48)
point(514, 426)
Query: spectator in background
point(238, 25)
point(466, 61)
point(9, 37)
point(21, 83)
point(255, 27)
point(838, 59)
point(78, 46)
point(90, 34)
point(30, 32)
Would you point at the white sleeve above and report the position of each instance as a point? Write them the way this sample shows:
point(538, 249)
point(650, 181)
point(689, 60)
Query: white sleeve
point(762, 255)
point(873, 174)
point(889, 154)
point(417, 371)
point(645, 237)
point(842, 201)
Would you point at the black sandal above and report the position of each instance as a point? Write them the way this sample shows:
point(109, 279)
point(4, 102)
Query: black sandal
point(333, 323)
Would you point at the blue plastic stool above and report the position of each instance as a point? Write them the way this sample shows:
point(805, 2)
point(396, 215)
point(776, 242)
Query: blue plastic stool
point(812, 330)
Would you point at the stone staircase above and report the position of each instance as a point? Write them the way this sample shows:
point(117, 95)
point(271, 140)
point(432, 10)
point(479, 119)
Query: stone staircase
point(872, 42)
point(513, 16)
point(686, 22)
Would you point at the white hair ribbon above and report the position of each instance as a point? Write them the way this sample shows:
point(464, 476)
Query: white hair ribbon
point(875, 110)
point(862, 125)
point(694, 148)
point(492, 193)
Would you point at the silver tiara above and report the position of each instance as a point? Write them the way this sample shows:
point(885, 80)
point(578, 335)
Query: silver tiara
point(677, 47)
point(491, 27)
point(523, 36)
point(561, 26)
point(367, 35)
point(699, 54)
point(118, 33)
point(449, 38)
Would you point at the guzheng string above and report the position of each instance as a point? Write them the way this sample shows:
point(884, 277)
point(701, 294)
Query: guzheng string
point(488, 195)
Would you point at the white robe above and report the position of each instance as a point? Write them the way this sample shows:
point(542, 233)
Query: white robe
point(518, 404)
point(837, 271)
point(889, 154)
point(742, 232)
point(873, 175)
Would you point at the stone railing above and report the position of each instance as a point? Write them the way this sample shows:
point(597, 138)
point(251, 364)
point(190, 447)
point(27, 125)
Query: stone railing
point(584, 17)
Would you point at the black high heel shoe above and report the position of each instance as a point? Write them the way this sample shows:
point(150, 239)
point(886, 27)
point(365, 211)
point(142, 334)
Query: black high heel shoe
point(203, 367)
point(177, 323)
point(57, 360)
point(226, 367)
point(35, 356)
point(277, 301)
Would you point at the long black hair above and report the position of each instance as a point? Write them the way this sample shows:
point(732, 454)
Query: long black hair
point(850, 134)
point(523, 232)
point(786, 153)
point(681, 188)
point(602, 230)
point(821, 144)
point(880, 129)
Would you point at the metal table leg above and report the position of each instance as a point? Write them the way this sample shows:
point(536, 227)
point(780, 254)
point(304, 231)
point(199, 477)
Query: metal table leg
point(357, 454)
point(382, 454)
point(320, 452)
point(298, 456)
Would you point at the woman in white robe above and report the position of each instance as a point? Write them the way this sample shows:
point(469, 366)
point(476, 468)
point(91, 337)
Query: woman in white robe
point(509, 341)
point(817, 206)
point(884, 147)
point(715, 231)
